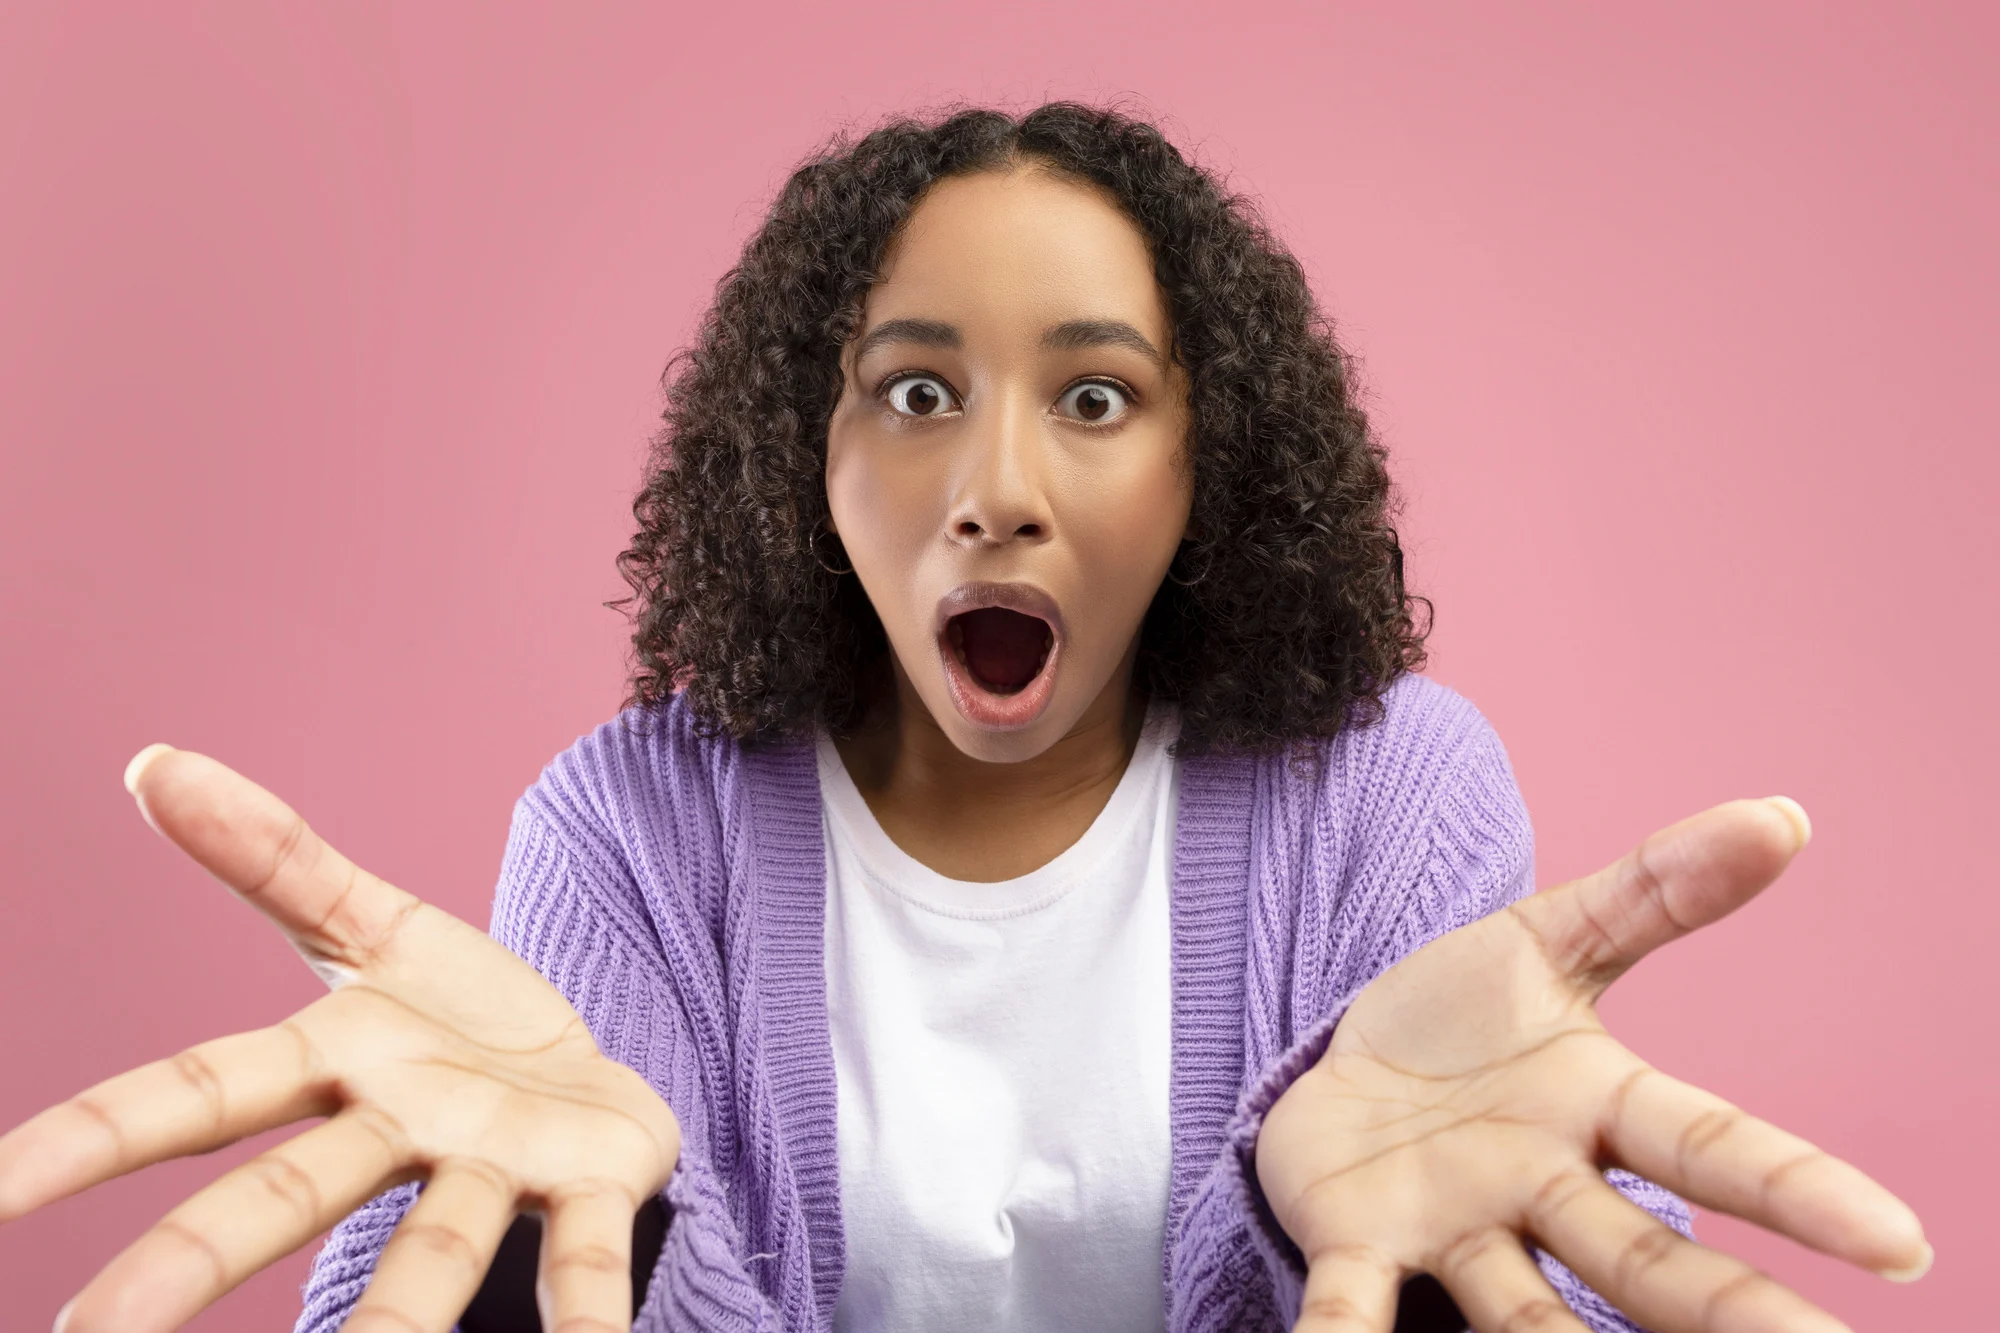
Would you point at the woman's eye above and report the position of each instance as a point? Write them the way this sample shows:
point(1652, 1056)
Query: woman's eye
point(1093, 402)
point(920, 396)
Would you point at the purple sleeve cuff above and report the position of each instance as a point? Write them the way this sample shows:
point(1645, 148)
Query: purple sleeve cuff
point(1282, 1259)
point(702, 1282)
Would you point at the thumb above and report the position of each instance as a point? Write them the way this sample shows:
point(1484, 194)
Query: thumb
point(335, 913)
point(1680, 879)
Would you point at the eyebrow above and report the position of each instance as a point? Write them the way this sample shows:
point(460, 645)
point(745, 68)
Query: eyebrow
point(1068, 336)
point(1072, 335)
point(922, 332)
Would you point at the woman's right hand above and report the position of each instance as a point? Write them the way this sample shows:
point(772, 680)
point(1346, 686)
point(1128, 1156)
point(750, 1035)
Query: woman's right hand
point(439, 1056)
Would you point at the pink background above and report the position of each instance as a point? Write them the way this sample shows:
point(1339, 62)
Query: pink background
point(328, 348)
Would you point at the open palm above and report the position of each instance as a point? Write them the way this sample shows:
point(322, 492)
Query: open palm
point(439, 1056)
point(1470, 1101)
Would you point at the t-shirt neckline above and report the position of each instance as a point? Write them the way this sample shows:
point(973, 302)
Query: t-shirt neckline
point(892, 870)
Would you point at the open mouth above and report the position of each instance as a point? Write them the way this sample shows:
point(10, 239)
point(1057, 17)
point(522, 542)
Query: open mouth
point(1001, 650)
point(1001, 645)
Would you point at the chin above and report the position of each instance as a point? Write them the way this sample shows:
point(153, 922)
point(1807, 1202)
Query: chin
point(1013, 746)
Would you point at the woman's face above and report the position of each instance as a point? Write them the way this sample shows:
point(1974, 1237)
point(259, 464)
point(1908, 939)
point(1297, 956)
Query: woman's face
point(1006, 465)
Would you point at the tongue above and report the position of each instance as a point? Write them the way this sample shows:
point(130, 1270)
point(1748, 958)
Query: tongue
point(1003, 649)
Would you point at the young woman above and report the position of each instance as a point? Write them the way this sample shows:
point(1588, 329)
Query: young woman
point(1031, 889)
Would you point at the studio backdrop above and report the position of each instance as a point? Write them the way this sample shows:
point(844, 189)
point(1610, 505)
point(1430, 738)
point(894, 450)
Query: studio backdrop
point(329, 348)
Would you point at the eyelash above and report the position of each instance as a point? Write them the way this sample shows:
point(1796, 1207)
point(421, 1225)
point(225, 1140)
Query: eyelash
point(1109, 381)
point(891, 380)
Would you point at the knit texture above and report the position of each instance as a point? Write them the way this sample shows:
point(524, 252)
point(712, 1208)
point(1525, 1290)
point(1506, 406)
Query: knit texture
point(673, 887)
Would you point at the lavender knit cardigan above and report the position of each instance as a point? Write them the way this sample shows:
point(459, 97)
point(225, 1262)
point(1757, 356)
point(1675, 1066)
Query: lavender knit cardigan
point(673, 887)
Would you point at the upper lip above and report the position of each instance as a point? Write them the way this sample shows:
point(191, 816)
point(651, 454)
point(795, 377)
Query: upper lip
point(1023, 597)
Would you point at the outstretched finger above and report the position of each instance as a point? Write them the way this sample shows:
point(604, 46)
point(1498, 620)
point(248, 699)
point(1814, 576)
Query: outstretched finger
point(1715, 1155)
point(1654, 1274)
point(1498, 1287)
point(439, 1253)
point(1680, 879)
point(247, 1220)
point(584, 1279)
point(336, 914)
point(205, 1097)
point(1350, 1289)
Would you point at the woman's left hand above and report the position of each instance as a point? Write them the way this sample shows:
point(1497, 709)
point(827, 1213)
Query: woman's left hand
point(1471, 1099)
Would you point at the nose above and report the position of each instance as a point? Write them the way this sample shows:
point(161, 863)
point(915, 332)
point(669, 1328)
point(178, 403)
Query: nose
point(1002, 493)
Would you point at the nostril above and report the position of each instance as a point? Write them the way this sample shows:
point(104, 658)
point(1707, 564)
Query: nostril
point(967, 528)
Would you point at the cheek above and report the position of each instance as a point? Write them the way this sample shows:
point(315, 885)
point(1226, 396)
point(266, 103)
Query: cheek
point(883, 513)
point(1129, 525)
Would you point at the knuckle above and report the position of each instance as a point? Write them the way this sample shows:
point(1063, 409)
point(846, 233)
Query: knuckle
point(1645, 880)
point(94, 1111)
point(366, 952)
point(489, 1173)
point(312, 1062)
point(289, 1184)
point(1594, 951)
point(598, 1189)
point(289, 843)
point(1466, 1250)
point(194, 1070)
point(193, 1242)
point(1618, 1105)
point(1705, 1131)
point(1561, 1190)
point(1335, 1311)
point(330, 944)
point(1540, 1312)
point(445, 1241)
point(1642, 1253)
point(1776, 1176)
point(1348, 1251)
point(1730, 1293)
point(1650, 885)
point(1331, 1303)
point(382, 1125)
point(589, 1258)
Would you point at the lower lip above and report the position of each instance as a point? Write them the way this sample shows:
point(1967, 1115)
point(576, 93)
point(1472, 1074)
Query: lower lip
point(999, 712)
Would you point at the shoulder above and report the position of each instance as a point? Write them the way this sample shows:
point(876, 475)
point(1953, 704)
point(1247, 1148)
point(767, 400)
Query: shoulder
point(640, 747)
point(650, 780)
point(1426, 733)
point(1428, 742)
point(1389, 770)
point(1421, 809)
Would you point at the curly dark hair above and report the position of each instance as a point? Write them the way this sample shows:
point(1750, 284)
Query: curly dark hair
point(1284, 616)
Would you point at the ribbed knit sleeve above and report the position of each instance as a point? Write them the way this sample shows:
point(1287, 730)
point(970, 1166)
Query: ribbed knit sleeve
point(565, 904)
point(347, 1260)
point(1464, 850)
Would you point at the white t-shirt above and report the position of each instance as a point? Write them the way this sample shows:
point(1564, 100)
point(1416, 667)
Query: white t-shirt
point(1001, 1054)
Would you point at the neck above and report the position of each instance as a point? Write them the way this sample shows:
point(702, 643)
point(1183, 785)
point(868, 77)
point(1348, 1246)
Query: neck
point(972, 820)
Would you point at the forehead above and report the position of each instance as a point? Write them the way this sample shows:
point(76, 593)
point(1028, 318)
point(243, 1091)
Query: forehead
point(1022, 248)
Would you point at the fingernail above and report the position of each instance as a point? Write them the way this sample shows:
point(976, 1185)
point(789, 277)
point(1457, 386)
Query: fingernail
point(137, 767)
point(1915, 1270)
point(1793, 811)
point(62, 1315)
